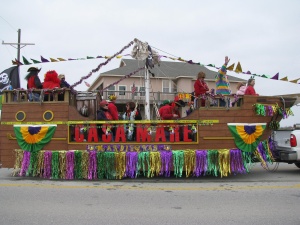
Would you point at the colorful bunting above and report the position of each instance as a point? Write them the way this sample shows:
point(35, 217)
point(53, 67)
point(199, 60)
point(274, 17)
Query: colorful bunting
point(43, 59)
point(294, 81)
point(26, 61)
point(284, 79)
point(35, 61)
point(230, 68)
point(238, 68)
point(53, 60)
point(275, 77)
point(33, 138)
point(247, 136)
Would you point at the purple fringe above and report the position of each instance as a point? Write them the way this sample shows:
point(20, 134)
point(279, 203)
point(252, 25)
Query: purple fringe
point(47, 164)
point(92, 171)
point(261, 151)
point(201, 163)
point(25, 163)
point(166, 163)
point(236, 161)
point(70, 156)
point(131, 164)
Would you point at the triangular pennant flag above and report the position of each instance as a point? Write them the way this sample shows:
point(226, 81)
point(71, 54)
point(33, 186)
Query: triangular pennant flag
point(99, 56)
point(275, 77)
point(53, 60)
point(212, 65)
point(43, 59)
point(61, 59)
point(284, 79)
point(69, 59)
point(238, 68)
point(90, 57)
point(18, 62)
point(118, 56)
point(87, 84)
point(180, 59)
point(35, 61)
point(14, 62)
point(230, 67)
point(26, 61)
point(264, 76)
point(294, 81)
point(248, 72)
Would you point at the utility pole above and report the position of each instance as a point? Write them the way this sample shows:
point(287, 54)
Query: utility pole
point(19, 46)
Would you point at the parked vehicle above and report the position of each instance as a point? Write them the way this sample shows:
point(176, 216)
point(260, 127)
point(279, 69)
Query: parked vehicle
point(287, 145)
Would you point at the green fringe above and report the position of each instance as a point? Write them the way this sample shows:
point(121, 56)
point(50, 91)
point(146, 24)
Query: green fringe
point(100, 165)
point(78, 165)
point(110, 168)
point(268, 156)
point(32, 169)
point(178, 162)
point(144, 163)
point(247, 160)
point(212, 162)
point(55, 165)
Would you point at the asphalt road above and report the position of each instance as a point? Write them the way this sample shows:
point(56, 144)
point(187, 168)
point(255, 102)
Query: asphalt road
point(260, 197)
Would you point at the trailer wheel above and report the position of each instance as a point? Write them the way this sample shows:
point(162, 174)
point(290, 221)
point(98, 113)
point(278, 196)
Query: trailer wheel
point(297, 164)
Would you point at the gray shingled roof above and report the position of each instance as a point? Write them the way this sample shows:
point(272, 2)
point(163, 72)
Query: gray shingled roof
point(167, 69)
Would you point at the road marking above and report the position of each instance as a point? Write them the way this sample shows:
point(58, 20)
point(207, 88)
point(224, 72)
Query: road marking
point(143, 188)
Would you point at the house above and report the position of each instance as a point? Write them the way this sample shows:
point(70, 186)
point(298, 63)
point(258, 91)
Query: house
point(166, 81)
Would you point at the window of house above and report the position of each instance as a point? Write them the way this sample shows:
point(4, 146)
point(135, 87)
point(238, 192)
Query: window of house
point(122, 90)
point(111, 90)
point(142, 91)
point(168, 86)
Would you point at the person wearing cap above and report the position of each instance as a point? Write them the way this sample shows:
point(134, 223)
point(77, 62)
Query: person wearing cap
point(33, 82)
point(170, 112)
point(103, 114)
point(112, 108)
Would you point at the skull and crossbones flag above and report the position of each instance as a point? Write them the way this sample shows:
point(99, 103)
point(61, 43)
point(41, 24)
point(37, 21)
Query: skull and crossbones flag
point(9, 79)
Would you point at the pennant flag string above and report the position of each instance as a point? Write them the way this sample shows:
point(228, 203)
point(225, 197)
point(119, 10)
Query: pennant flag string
point(238, 68)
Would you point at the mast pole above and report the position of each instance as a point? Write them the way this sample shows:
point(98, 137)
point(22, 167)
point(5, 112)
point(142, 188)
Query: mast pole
point(147, 94)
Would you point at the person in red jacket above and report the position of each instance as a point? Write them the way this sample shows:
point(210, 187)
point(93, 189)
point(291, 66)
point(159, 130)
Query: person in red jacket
point(112, 108)
point(200, 87)
point(51, 81)
point(250, 87)
point(33, 82)
point(170, 112)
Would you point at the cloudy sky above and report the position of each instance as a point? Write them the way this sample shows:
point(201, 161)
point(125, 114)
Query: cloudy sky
point(264, 36)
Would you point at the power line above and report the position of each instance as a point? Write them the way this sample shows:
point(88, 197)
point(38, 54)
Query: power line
point(9, 24)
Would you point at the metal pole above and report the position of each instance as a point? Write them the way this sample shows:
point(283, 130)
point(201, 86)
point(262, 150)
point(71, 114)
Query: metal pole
point(19, 50)
point(147, 94)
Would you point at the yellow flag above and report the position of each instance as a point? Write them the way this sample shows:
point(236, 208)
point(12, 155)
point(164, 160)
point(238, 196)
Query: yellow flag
point(284, 79)
point(231, 67)
point(61, 59)
point(294, 81)
point(118, 56)
point(53, 60)
point(238, 68)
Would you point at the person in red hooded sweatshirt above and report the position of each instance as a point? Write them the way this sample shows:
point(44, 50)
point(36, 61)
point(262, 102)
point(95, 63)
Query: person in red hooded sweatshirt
point(250, 87)
point(51, 81)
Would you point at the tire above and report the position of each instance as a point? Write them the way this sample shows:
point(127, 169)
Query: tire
point(297, 164)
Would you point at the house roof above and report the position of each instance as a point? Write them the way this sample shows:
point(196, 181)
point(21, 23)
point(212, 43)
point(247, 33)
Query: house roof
point(166, 69)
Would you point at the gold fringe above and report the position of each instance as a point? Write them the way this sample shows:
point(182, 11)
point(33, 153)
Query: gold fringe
point(263, 163)
point(40, 163)
point(189, 161)
point(224, 162)
point(62, 164)
point(155, 163)
point(120, 164)
point(18, 163)
point(85, 164)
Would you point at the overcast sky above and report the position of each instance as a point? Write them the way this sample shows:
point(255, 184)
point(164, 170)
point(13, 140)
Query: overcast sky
point(264, 36)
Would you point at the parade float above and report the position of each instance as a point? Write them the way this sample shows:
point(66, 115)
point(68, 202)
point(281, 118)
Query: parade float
point(61, 139)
